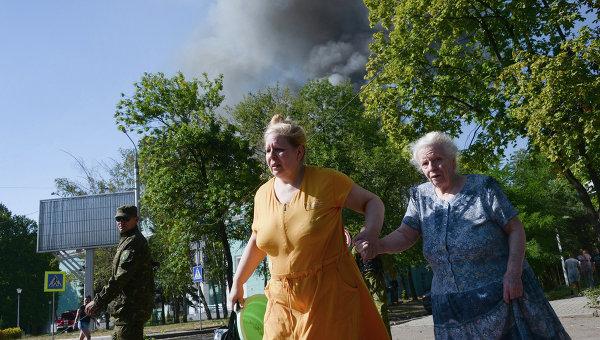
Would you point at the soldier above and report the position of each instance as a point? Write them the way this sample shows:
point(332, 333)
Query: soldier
point(129, 294)
point(372, 271)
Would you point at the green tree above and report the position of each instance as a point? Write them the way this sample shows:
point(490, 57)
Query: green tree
point(505, 68)
point(547, 205)
point(105, 177)
point(22, 267)
point(198, 173)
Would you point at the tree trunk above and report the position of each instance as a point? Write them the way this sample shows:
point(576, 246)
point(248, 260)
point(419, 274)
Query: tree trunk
point(214, 291)
point(589, 167)
point(205, 305)
point(224, 297)
point(176, 310)
point(585, 198)
point(225, 241)
point(162, 310)
point(184, 309)
point(411, 284)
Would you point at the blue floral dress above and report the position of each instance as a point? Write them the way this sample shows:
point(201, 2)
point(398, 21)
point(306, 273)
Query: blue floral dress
point(467, 249)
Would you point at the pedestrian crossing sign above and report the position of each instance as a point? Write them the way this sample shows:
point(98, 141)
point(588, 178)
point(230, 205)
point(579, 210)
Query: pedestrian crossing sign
point(197, 274)
point(55, 281)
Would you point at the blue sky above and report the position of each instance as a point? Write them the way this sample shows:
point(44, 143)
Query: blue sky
point(63, 66)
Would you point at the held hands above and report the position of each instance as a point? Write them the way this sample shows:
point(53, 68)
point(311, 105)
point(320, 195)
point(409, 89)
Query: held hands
point(513, 286)
point(367, 245)
point(235, 295)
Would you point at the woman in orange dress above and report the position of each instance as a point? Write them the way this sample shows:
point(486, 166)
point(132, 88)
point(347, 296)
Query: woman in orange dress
point(316, 290)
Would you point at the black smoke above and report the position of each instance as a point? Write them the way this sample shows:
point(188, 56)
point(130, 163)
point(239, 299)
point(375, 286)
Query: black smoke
point(258, 43)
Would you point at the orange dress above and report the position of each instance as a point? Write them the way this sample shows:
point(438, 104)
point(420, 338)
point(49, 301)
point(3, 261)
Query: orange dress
point(316, 290)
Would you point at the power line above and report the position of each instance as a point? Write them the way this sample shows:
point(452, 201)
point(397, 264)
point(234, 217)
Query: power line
point(360, 90)
point(23, 187)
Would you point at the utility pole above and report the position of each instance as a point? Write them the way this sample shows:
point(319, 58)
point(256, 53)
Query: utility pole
point(136, 172)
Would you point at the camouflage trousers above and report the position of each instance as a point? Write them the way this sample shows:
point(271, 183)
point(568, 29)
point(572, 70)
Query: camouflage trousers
point(376, 284)
point(128, 331)
point(373, 276)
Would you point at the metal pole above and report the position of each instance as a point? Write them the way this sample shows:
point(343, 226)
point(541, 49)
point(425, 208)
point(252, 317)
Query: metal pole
point(53, 316)
point(136, 172)
point(18, 306)
point(562, 260)
point(199, 284)
point(88, 287)
point(50, 315)
point(199, 306)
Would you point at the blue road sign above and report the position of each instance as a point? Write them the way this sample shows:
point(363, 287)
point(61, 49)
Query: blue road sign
point(54, 281)
point(197, 274)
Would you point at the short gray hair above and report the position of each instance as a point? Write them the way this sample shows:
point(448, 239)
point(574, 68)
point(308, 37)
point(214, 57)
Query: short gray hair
point(433, 138)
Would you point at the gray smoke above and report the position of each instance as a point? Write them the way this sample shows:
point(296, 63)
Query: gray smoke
point(258, 43)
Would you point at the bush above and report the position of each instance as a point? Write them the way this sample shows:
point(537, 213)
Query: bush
point(593, 294)
point(11, 333)
point(561, 292)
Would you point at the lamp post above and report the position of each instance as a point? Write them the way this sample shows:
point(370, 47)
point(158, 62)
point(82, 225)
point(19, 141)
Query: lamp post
point(19, 290)
point(136, 172)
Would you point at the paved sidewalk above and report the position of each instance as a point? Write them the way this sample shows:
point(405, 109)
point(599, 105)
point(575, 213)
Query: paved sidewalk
point(576, 317)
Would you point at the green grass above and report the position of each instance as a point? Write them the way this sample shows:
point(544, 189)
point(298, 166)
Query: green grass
point(562, 292)
point(174, 327)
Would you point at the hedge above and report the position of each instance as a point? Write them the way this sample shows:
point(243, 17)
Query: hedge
point(11, 333)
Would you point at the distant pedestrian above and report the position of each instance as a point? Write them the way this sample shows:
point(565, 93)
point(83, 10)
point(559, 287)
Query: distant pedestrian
point(585, 265)
point(83, 320)
point(596, 265)
point(130, 290)
point(572, 267)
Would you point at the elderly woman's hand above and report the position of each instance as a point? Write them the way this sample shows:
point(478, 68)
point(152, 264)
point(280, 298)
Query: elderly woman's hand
point(513, 286)
point(367, 245)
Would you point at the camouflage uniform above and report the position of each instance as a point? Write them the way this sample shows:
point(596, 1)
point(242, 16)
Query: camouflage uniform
point(372, 271)
point(129, 294)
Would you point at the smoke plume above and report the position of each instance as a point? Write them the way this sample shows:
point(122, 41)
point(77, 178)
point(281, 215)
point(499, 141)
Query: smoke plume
point(259, 43)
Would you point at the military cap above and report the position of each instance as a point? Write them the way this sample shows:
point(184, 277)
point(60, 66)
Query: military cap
point(126, 210)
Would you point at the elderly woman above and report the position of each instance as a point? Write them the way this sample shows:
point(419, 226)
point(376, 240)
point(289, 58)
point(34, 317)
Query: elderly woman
point(482, 287)
point(315, 291)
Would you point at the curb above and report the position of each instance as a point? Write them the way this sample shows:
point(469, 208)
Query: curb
point(181, 333)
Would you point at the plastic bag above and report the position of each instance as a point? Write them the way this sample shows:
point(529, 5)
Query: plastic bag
point(231, 332)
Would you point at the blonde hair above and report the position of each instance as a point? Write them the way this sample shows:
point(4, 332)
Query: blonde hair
point(280, 126)
point(434, 138)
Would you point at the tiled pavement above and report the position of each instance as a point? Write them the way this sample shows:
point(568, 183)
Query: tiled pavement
point(572, 307)
point(574, 313)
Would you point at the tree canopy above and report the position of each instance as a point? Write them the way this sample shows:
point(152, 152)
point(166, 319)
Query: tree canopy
point(548, 206)
point(199, 175)
point(505, 69)
point(22, 267)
